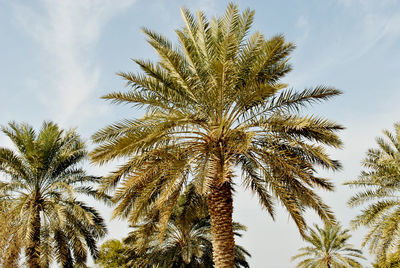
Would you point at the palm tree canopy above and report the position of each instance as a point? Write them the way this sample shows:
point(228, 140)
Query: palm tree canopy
point(379, 196)
point(42, 179)
point(218, 96)
point(328, 248)
point(214, 102)
point(112, 254)
point(392, 261)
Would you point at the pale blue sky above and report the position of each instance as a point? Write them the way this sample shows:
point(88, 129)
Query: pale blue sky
point(58, 57)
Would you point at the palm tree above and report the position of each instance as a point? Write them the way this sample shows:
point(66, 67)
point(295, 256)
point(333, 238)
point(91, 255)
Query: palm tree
point(112, 254)
point(379, 196)
point(392, 261)
point(328, 249)
point(214, 103)
point(42, 179)
point(186, 241)
point(10, 243)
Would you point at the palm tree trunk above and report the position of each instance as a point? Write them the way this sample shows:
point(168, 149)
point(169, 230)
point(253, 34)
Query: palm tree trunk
point(69, 262)
point(33, 248)
point(220, 206)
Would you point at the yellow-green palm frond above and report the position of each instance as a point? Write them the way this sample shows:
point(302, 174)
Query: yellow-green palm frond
point(379, 196)
point(10, 240)
point(186, 240)
point(42, 181)
point(328, 247)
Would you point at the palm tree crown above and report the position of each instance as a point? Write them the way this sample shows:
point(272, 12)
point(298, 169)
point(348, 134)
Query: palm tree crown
point(213, 103)
point(328, 249)
point(112, 254)
point(391, 261)
point(42, 179)
point(379, 195)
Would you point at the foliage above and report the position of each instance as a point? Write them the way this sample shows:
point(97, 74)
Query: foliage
point(112, 254)
point(328, 248)
point(392, 261)
point(10, 242)
point(186, 241)
point(213, 103)
point(379, 195)
point(39, 197)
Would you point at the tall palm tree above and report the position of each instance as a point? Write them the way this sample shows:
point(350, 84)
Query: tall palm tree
point(186, 241)
point(42, 180)
point(328, 248)
point(213, 103)
point(380, 196)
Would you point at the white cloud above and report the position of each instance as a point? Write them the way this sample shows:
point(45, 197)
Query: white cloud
point(67, 31)
point(379, 21)
point(302, 22)
point(374, 25)
point(303, 25)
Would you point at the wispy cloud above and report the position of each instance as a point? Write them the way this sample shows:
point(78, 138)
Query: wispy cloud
point(378, 21)
point(368, 24)
point(303, 25)
point(68, 32)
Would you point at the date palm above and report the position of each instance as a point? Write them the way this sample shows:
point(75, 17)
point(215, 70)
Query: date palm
point(392, 261)
point(215, 103)
point(41, 182)
point(328, 248)
point(112, 254)
point(186, 241)
point(10, 243)
point(380, 196)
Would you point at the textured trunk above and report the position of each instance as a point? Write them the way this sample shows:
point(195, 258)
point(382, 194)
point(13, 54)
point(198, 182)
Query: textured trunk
point(221, 207)
point(33, 248)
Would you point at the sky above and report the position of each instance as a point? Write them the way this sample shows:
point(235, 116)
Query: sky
point(58, 57)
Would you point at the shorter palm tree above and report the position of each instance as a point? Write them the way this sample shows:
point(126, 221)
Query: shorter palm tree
point(392, 261)
point(379, 196)
point(10, 242)
point(186, 240)
point(328, 249)
point(38, 197)
point(112, 254)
